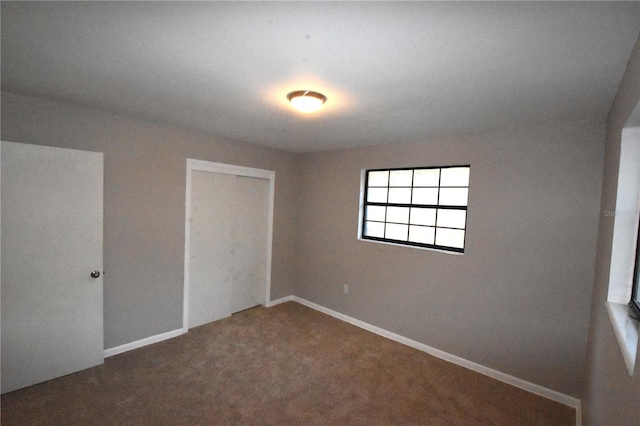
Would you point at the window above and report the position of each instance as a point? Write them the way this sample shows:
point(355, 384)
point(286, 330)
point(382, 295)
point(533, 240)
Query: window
point(623, 296)
point(634, 303)
point(423, 207)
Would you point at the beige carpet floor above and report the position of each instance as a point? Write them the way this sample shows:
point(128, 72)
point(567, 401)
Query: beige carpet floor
point(286, 365)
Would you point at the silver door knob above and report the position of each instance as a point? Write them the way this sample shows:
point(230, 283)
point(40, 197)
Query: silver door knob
point(95, 274)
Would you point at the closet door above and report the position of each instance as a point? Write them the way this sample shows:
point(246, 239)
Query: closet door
point(228, 244)
point(52, 321)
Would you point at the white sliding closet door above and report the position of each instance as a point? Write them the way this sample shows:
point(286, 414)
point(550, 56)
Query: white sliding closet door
point(229, 244)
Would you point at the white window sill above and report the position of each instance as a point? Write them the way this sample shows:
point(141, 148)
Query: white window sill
point(626, 331)
point(410, 246)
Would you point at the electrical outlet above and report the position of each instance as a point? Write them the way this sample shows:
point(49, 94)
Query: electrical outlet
point(346, 289)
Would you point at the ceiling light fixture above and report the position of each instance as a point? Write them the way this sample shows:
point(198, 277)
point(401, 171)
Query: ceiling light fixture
point(306, 101)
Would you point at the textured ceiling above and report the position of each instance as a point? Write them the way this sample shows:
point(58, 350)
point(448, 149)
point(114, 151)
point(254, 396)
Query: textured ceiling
point(392, 72)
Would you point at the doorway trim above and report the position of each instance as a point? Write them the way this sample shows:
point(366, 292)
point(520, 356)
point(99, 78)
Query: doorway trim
point(212, 167)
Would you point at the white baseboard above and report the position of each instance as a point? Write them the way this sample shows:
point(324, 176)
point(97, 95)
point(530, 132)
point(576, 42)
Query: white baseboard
point(143, 342)
point(169, 335)
point(279, 301)
point(495, 374)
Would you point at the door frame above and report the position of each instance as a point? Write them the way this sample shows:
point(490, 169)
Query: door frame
point(212, 167)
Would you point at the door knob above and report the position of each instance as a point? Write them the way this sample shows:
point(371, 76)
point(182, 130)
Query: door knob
point(95, 274)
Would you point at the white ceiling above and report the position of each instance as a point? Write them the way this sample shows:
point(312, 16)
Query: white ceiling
point(392, 72)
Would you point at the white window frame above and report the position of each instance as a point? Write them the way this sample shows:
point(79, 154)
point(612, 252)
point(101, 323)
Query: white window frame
point(410, 205)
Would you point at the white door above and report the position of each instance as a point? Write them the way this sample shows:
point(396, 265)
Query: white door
point(229, 221)
point(51, 242)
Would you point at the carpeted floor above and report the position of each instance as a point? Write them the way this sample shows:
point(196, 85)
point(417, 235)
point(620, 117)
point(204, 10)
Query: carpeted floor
point(286, 365)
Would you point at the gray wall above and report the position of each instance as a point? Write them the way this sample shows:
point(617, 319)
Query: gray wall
point(144, 171)
point(518, 300)
point(610, 396)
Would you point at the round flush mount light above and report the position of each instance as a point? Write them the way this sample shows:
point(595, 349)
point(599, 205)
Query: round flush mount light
point(306, 101)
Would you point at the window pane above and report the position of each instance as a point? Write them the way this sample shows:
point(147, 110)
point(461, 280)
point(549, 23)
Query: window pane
point(423, 216)
point(453, 196)
point(376, 213)
point(374, 229)
point(398, 214)
point(451, 218)
point(400, 177)
point(400, 195)
point(396, 232)
point(450, 237)
point(426, 177)
point(378, 178)
point(425, 196)
point(377, 195)
point(455, 176)
point(421, 234)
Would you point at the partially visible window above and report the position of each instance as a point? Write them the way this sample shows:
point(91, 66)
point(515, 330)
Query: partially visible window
point(623, 293)
point(424, 207)
point(634, 303)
